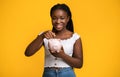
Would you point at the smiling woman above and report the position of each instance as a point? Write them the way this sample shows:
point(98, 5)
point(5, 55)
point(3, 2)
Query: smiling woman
point(97, 22)
point(69, 55)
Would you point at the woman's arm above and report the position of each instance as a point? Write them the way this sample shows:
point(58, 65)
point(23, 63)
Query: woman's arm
point(34, 46)
point(77, 59)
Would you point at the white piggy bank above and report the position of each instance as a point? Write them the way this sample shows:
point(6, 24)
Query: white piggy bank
point(54, 45)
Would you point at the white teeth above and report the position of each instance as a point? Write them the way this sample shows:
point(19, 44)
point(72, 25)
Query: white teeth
point(58, 26)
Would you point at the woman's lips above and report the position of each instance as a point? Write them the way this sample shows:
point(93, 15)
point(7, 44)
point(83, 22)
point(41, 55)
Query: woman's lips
point(58, 26)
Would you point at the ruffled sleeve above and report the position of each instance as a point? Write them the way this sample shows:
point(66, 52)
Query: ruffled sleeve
point(76, 36)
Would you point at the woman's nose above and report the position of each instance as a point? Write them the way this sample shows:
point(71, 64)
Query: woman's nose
point(58, 21)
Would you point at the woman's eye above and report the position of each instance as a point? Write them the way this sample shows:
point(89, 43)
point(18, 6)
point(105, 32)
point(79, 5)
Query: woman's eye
point(62, 18)
point(53, 18)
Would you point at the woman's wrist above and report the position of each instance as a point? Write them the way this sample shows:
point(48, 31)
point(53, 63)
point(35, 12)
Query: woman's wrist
point(41, 35)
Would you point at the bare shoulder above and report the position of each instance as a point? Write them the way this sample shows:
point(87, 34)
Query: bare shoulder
point(69, 34)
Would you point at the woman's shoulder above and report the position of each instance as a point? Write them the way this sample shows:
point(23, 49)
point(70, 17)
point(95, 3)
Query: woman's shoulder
point(72, 35)
point(76, 34)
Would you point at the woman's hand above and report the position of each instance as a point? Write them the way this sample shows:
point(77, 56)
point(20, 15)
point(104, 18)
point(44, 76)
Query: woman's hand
point(49, 34)
point(57, 54)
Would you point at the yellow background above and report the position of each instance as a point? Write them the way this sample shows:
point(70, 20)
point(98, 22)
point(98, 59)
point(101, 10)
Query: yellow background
point(97, 21)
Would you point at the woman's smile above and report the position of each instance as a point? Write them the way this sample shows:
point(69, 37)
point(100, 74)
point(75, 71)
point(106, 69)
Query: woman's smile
point(59, 26)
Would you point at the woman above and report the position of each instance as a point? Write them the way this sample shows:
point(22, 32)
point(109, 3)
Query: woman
point(59, 64)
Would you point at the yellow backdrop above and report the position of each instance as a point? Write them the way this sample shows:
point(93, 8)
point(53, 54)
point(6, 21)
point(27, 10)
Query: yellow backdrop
point(97, 21)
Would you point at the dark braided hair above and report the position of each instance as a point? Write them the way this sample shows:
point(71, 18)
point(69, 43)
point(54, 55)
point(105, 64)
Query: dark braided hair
point(67, 10)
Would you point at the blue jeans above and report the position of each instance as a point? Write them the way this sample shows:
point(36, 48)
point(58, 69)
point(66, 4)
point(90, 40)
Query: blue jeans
point(62, 72)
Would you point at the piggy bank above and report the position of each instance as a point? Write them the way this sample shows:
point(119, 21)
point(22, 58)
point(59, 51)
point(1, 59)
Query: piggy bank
point(54, 45)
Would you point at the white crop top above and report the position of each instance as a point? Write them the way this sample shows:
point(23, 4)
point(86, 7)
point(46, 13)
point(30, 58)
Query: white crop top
point(68, 44)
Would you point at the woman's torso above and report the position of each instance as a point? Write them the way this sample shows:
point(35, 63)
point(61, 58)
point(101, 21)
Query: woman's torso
point(67, 42)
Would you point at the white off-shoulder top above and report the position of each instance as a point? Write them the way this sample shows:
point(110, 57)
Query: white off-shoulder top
point(68, 44)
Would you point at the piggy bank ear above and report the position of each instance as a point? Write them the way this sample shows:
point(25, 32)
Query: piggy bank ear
point(59, 40)
point(50, 41)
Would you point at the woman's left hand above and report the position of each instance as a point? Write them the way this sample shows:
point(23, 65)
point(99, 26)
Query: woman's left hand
point(57, 54)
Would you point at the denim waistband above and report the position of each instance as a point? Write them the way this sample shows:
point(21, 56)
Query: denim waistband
point(57, 68)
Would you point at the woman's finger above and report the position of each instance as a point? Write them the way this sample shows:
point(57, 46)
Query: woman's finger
point(49, 34)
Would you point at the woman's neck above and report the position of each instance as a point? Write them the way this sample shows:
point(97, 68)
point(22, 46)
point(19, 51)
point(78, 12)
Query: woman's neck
point(61, 32)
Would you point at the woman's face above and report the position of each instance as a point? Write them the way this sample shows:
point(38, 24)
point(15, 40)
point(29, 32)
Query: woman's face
point(59, 19)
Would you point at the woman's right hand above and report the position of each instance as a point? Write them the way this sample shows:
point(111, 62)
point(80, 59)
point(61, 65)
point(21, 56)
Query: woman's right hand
point(49, 34)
